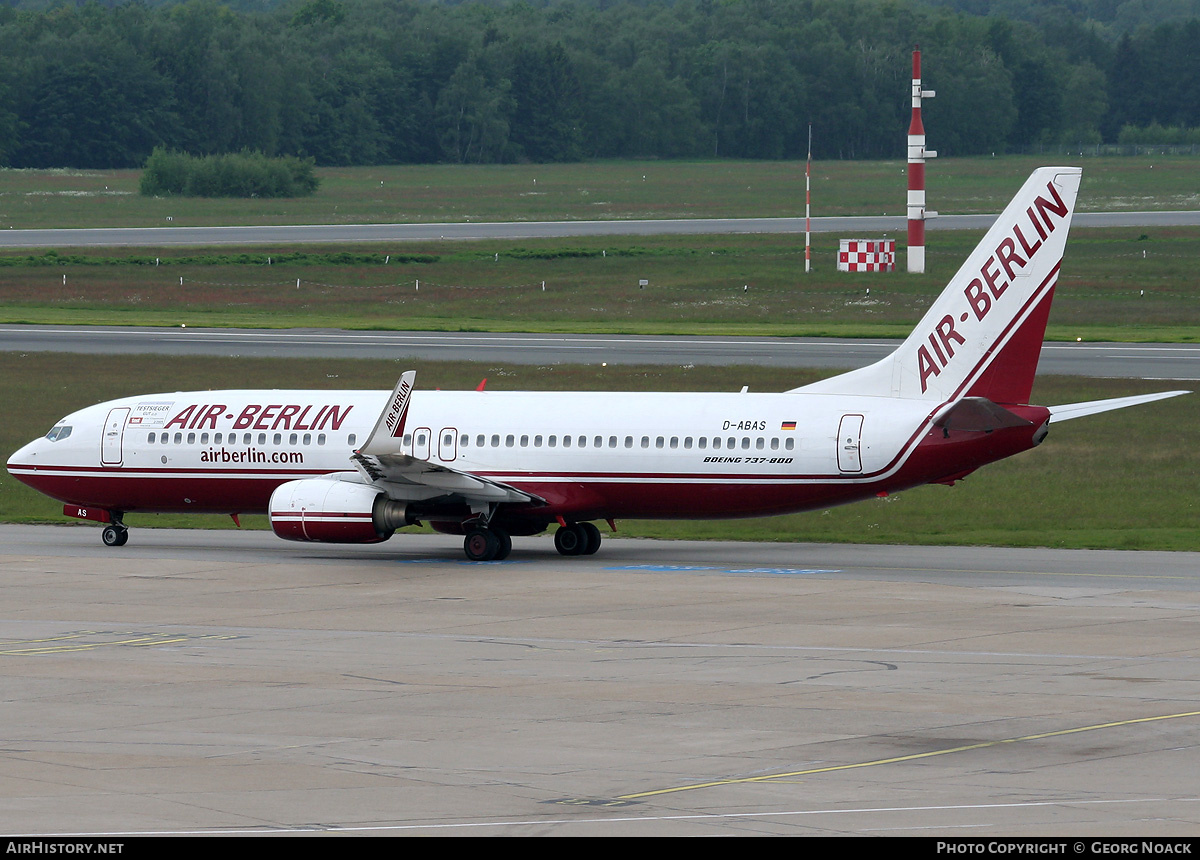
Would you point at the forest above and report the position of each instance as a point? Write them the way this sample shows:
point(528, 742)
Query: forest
point(417, 81)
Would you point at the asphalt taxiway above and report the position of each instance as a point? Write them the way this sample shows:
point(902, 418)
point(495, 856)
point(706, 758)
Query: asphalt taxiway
point(341, 234)
point(228, 682)
point(1119, 360)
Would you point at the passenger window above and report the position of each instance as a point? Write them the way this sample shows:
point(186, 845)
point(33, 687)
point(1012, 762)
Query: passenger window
point(598, 442)
point(217, 439)
point(758, 443)
point(746, 442)
point(277, 438)
point(262, 438)
point(320, 438)
point(628, 441)
point(448, 440)
point(149, 439)
point(191, 438)
point(645, 441)
point(789, 444)
point(674, 441)
point(293, 439)
point(480, 441)
point(716, 443)
point(552, 442)
point(537, 441)
point(612, 441)
point(566, 441)
point(495, 440)
point(307, 438)
point(203, 438)
point(353, 439)
point(246, 438)
point(702, 442)
point(178, 438)
point(510, 440)
point(774, 444)
point(658, 443)
point(525, 441)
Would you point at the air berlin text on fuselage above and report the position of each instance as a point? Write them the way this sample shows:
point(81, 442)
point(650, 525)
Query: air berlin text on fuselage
point(995, 275)
point(275, 416)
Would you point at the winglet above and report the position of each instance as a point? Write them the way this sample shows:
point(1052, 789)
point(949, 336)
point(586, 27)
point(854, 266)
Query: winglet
point(390, 426)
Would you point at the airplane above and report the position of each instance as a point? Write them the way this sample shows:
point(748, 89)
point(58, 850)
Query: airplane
point(355, 466)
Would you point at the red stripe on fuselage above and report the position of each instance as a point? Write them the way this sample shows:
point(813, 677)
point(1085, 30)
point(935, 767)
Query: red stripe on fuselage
point(579, 495)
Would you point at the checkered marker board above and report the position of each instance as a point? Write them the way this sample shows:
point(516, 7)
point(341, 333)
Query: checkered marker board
point(867, 255)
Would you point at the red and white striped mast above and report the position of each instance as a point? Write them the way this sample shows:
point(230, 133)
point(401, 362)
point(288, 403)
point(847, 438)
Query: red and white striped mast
point(808, 205)
point(916, 171)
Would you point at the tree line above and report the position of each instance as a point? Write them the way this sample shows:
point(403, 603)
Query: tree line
point(407, 81)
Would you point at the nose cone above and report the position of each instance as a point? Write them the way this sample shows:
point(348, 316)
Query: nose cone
point(23, 464)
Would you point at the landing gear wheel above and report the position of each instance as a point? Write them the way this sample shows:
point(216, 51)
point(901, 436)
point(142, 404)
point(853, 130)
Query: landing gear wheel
point(115, 535)
point(571, 540)
point(505, 544)
point(481, 545)
point(593, 538)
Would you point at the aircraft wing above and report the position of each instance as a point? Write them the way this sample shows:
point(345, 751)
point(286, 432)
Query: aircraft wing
point(412, 478)
point(1092, 407)
point(402, 476)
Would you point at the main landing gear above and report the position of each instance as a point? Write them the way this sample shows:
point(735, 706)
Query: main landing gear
point(115, 533)
point(485, 543)
point(577, 539)
point(490, 543)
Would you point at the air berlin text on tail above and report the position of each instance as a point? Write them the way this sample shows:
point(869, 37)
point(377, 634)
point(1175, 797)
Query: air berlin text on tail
point(988, 288)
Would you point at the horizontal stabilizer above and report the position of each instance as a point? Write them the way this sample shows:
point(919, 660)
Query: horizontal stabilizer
point(1092, 407)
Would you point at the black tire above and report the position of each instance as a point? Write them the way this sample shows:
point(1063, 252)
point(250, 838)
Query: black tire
point(114, 536)
point(570, 540)
point(480, 545)
point(593, 538)
point(505, 544)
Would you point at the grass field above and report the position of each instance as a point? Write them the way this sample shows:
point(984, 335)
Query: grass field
point(1117, 284)
point(1123, 480)
point(594, 191)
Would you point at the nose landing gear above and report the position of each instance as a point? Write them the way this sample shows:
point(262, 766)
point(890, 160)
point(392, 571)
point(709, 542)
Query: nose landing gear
point(116, 533)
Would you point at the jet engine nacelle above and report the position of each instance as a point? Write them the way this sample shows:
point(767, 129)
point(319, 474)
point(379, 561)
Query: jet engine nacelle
point(332, 511)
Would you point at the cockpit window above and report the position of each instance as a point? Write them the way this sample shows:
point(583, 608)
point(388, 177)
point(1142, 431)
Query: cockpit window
point(59, 432)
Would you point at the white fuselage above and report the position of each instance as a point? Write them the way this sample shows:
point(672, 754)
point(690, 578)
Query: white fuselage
point(601, 454)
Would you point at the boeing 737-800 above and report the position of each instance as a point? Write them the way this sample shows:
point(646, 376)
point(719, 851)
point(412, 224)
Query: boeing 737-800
point(355, 466)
